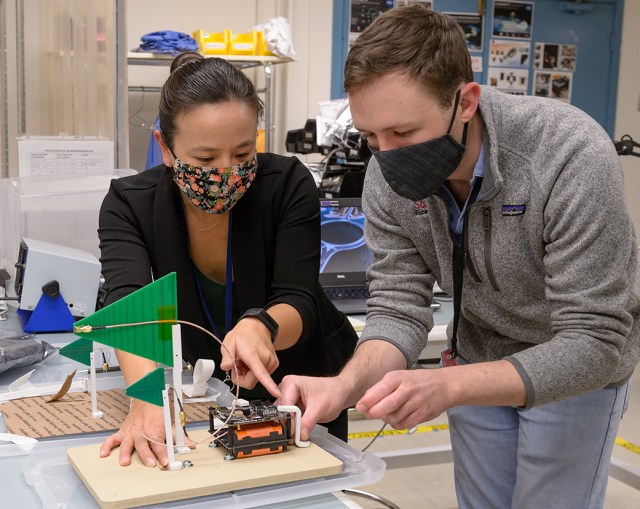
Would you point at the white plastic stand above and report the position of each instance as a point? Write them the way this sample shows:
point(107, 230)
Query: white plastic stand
point(176, 372)
point(295, 410)
point(97, 414)
point(172, 463)
point(176, 337)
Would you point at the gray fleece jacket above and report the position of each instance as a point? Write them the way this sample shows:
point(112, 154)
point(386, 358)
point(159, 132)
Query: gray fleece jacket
point(551, 279)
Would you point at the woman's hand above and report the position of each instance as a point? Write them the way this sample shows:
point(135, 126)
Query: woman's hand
point(249, 343)
point(148, 420)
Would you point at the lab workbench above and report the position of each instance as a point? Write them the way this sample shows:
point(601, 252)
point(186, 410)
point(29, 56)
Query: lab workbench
point(39, 475)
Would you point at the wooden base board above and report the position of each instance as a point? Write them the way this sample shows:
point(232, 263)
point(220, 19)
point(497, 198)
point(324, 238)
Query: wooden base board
point(115, 487)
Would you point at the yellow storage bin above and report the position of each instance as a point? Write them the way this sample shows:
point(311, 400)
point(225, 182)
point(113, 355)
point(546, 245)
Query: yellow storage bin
point(262, 46)
point(261, 141)
point(244, 44)
point(216, 43)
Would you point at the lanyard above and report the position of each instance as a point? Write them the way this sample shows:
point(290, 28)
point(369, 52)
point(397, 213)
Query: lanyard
point(228, 288)
point(459, 254)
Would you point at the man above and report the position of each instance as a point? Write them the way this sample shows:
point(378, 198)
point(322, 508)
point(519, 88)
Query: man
point(515, 206)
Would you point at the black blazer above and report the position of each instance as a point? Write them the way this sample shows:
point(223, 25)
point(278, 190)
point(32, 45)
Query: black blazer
point(276, 258)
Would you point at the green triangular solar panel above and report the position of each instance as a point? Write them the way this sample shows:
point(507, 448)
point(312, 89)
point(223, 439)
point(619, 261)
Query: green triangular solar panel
point(149, 388)
point(156, 301)
point(79, 350)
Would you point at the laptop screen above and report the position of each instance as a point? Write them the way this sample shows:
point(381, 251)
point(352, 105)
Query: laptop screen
point(344, 256)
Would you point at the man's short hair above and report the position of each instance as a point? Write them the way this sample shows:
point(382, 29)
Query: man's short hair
point(429, 47)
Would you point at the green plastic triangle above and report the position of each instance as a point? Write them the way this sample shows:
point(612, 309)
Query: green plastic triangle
point(149, 388)
point(156, 301)
point(79, 350)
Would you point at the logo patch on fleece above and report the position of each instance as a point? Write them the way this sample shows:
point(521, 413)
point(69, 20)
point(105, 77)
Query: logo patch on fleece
point(513, 210)
point(420, 208)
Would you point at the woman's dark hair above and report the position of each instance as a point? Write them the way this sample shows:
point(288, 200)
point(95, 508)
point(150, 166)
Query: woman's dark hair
point(196, 80)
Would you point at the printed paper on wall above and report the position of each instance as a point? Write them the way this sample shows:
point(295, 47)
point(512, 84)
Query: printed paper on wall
point(561, 57)
point(512, 19)
point(505, 53)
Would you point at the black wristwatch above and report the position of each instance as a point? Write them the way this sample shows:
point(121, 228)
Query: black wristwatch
point(265, 318)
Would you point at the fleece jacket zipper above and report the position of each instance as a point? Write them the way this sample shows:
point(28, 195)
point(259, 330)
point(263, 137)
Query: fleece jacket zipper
point(486, 221)
point(467, 254)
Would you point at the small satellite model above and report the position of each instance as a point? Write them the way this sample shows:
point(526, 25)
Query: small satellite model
point(252, 430)
point(145, 323)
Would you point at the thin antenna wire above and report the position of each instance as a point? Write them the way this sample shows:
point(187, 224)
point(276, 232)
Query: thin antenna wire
point(173, 322)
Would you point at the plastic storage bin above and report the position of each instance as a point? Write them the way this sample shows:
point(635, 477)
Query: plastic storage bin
point(244, 44)
point(56, 484)
point(263, 49)
point(61, 209)
point(214, 43)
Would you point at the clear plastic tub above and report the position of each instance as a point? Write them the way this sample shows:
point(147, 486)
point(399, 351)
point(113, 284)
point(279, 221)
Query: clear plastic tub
point(61, 209)
point(47, 471)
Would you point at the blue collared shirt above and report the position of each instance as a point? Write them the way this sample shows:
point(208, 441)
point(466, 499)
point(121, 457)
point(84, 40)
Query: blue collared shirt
point(456, 215)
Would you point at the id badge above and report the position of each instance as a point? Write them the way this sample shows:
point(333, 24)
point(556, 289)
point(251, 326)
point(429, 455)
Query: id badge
point(448, 358)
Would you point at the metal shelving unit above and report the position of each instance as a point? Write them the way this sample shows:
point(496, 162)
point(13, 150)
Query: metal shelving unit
point(240, 61)
point(12, 93)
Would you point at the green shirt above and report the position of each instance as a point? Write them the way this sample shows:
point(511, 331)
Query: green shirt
point(214, 298)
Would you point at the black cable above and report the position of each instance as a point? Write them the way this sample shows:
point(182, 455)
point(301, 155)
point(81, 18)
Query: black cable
point(9, 298)
point(374, 438)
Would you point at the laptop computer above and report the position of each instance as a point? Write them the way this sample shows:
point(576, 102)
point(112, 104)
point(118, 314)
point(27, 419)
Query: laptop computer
point(344, 255)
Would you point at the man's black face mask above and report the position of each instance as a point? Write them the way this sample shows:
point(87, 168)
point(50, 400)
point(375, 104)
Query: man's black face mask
point(417, 171)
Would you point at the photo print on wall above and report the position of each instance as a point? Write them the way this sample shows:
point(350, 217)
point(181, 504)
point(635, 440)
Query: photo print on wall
point(472, 25)
point(561, 57)
point(512, 19)
point(506, 53)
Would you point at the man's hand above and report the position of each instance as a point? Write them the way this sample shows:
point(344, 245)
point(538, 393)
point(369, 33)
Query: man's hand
point(409, 397)
point(406, 398)
point(319, 399)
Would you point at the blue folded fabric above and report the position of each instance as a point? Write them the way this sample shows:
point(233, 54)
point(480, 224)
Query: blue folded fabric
point(167, 41)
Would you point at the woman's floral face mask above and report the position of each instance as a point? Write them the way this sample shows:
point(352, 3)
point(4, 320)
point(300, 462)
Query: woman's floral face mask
point(214, 190)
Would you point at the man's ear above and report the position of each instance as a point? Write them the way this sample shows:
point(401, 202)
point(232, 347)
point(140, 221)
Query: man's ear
point(469, 98)
point(167, 158)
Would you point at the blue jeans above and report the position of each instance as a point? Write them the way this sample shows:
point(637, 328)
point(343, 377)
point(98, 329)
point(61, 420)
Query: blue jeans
point(552, 456)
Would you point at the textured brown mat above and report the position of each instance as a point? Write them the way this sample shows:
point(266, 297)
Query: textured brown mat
point(71, 415)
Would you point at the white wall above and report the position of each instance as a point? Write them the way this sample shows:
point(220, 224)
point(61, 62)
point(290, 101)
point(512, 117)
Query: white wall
point(628, 103)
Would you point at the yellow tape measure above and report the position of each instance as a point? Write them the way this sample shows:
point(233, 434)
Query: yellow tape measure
point(444, 427)
point(627, 445)
point(391, 432)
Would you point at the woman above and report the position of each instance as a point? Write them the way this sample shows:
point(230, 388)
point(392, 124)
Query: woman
point(242, 232)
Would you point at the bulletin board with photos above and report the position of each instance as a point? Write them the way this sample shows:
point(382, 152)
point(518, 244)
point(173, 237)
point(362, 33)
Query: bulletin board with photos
point(546, 48)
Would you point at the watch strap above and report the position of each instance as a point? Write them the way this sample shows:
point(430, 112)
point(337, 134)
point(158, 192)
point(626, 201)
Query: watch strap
point(262, 315)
